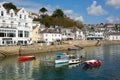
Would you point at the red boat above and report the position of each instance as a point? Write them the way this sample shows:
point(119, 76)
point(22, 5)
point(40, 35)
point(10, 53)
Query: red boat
point(25, 58)
point(92, 63)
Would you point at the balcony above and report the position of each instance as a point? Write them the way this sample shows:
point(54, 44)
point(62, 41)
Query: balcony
point(14, 19)
point(11, 26)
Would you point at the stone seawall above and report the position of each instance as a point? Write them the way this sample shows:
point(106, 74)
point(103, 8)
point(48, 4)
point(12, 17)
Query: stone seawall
point(23, 50)
point(89, 43)
point(9, 50)
point(16, 50)
point(41, 49)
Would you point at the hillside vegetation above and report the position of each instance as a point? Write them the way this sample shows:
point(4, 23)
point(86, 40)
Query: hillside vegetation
point(57, 18)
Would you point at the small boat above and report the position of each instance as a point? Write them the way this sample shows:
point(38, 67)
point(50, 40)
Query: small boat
point(25, 58)
point(60, 61)
point(70, 59)
point(92, 63)
point(73, 48)
point(61, 58)
point(74, 61)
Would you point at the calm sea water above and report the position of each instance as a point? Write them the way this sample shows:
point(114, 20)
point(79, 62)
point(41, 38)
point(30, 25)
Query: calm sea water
point(43, 68)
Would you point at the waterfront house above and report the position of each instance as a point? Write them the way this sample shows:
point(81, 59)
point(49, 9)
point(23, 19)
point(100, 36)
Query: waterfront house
point(35, 31)
point(37, 27)
point(15, 26)
point(67, 34)
point(110, 28)
point(50, 35)
point(79, 35)
point(112, 36)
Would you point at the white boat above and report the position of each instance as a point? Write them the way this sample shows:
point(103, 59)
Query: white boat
point(74, 61)
point(60, 61)
point(70, 59)
point(61, 58)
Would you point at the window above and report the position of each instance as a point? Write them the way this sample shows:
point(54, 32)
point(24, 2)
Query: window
point(18, 23)
point(11, 34)
point(20, 33)
point(2, 34)
point(12, 22)
point(11, 14)
point(26, 24)
point(25, 17)
point(2, 13)
point(3, 21)
point(20, 16)
point(26, 34)
point(22, 11)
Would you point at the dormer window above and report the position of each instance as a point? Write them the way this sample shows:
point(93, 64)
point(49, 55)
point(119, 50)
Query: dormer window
point(20, 16)
point(25, 17)
point(11, 14)
point(23, 11)
point(2, 13)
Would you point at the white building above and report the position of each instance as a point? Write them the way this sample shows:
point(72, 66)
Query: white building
point(50, 36)
point(15, 26)
point(112, 36)
point(67, 33)
point(79, 35)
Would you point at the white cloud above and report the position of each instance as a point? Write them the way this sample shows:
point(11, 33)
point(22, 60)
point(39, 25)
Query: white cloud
point(113, 19)
point(74, 15)
point(113, 3)
point(68, 11)
point(96, 10)
point(80, 18)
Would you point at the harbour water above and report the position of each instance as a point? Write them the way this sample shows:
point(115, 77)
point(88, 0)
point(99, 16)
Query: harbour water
point(43, 68)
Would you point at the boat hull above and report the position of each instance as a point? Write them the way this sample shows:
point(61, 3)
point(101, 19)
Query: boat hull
point(74, 61)
point(25, 58)
point(93, 63)
point(60, 61)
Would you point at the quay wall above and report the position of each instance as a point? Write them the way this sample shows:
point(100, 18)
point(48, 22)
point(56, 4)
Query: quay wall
point(89, 43)
point(24, 50)
point(31, 49)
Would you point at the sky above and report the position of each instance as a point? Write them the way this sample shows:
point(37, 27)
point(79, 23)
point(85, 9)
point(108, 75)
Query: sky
point(86, 11)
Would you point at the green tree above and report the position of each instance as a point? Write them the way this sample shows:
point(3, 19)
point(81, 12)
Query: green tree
point(117, 27)
point(43, 10)
point(58, 18)
point(58, 13)
point(9, 6)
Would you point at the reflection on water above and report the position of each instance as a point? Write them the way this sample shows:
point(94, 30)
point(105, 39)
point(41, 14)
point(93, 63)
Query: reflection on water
point(43, 68)
point(85, 68)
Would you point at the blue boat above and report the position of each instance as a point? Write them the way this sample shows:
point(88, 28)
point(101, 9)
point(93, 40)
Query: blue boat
point(61, 58)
